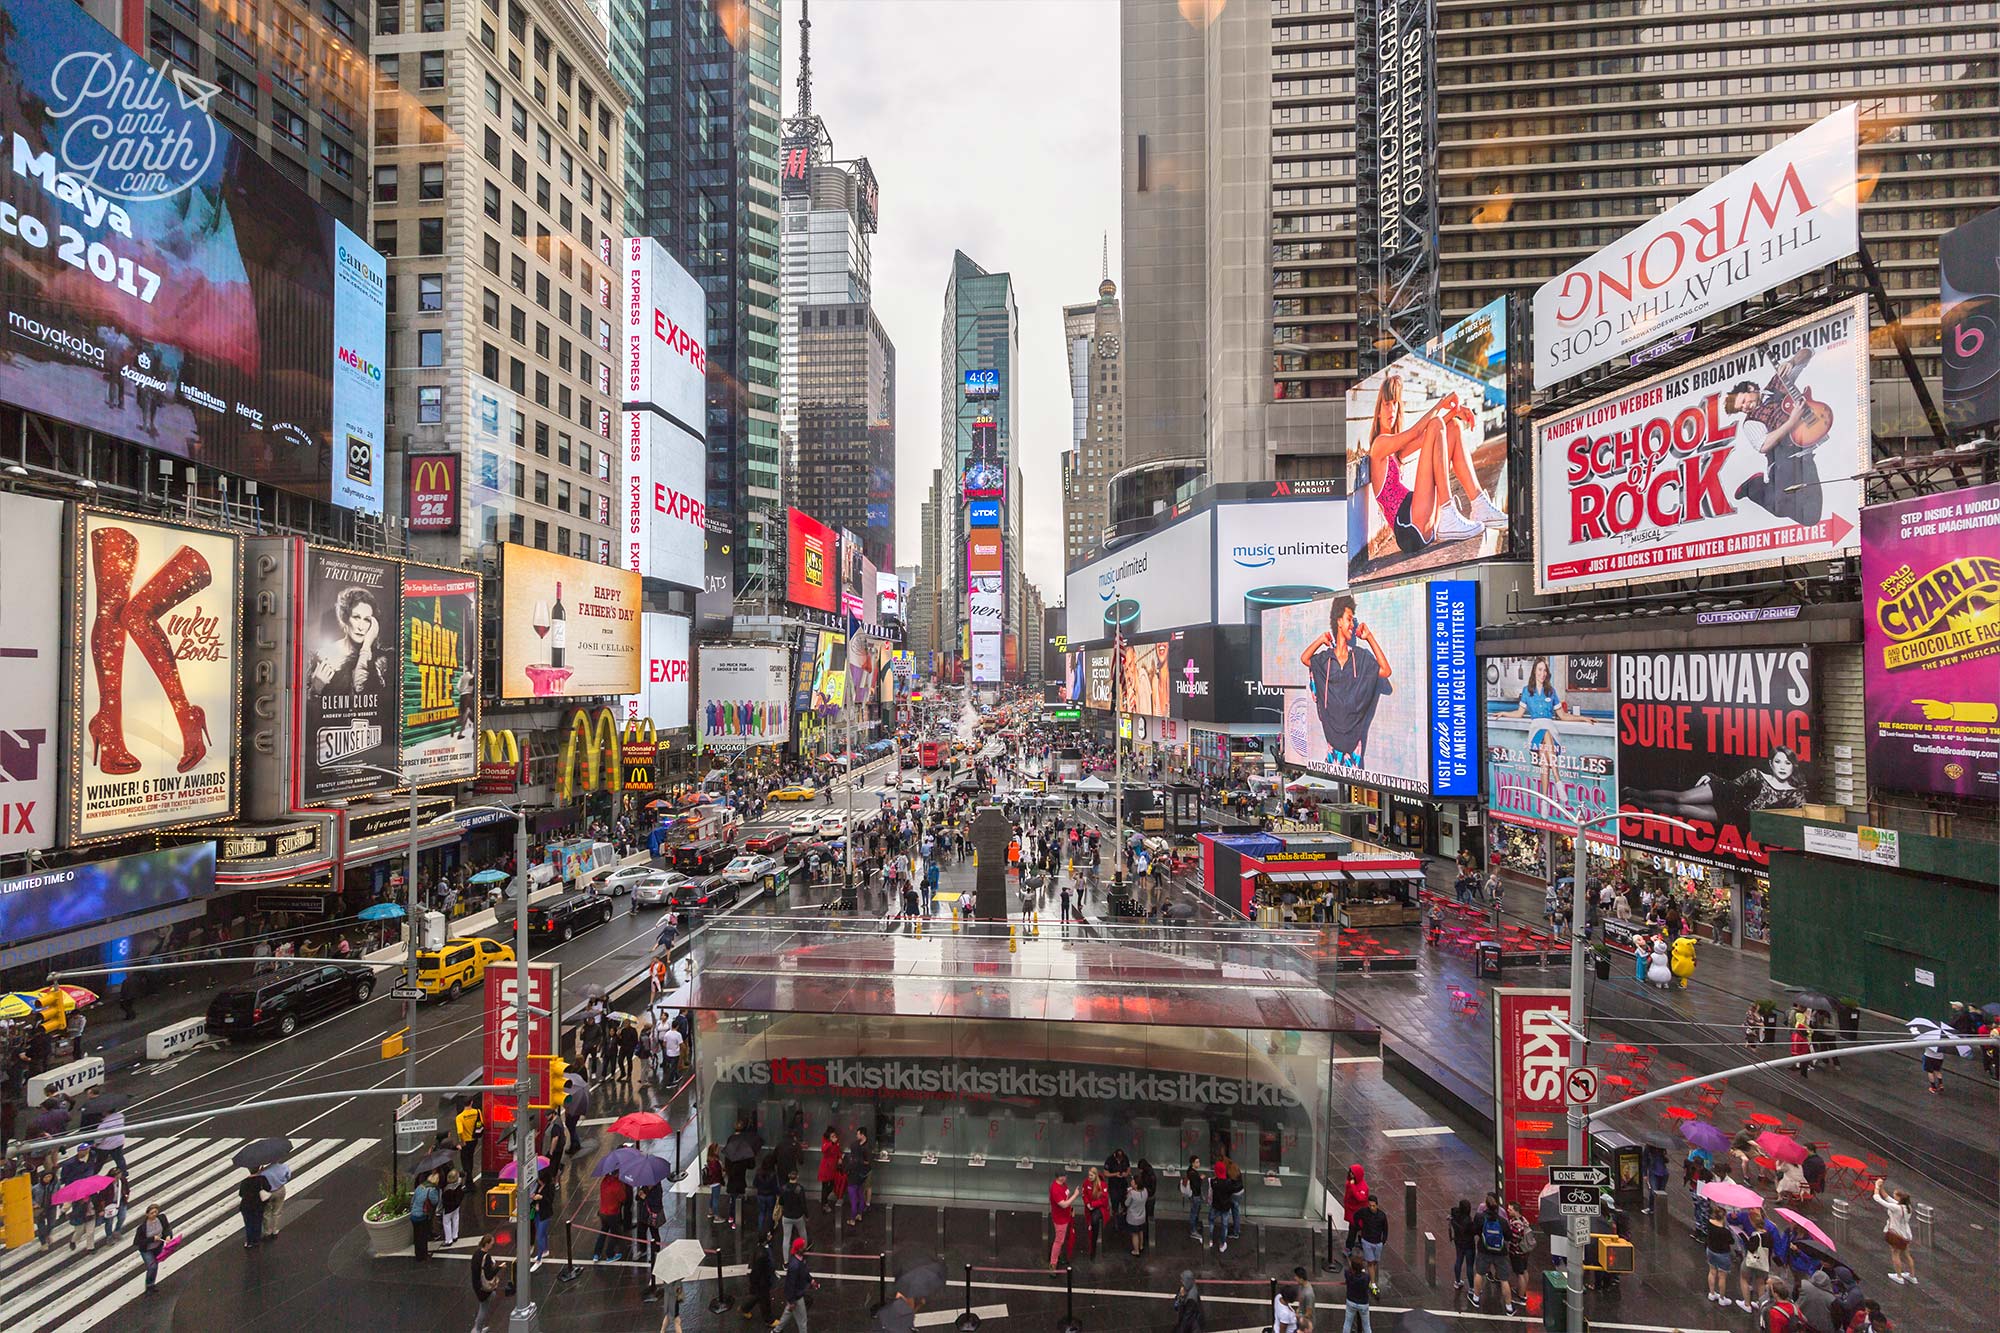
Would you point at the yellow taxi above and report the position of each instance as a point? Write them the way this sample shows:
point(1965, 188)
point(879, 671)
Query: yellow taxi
point(461, 963)
point(798, 791)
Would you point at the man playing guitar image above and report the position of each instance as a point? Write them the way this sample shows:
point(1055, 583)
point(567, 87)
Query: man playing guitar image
point(1784, 425)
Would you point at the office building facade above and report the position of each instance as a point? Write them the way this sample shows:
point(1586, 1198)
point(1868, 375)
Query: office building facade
point(980, 346)
point(1094, 337)
point(844, 473)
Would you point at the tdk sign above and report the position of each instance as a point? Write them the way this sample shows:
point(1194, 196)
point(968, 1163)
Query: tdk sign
point(983, 513)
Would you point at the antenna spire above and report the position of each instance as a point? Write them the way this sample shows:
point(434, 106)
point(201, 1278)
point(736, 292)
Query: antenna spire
point(1107, 253)
point(805, 59)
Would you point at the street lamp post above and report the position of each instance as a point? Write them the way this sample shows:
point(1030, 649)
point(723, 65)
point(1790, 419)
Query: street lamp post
point(1579, 1052)
point(409, 926)
point(1118, 745)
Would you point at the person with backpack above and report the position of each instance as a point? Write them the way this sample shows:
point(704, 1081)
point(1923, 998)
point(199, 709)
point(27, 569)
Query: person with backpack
point(1189, 1317)
point(1464, 1234)
point(1781, 1316)
point(1492, 1262)
point(1520, 1247)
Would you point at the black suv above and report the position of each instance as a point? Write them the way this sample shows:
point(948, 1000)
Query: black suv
point(284, 1003)
point(709, 894)
point(565, 916)
point(704, 857)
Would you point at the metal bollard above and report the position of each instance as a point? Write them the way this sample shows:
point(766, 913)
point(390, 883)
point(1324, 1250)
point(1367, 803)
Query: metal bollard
point(940, 1243)
point(1921, 1216)
point(889, 1222)
point(1410, 1204)
point(993, 1230)
point(1843, 1214)
point(1430, 1259)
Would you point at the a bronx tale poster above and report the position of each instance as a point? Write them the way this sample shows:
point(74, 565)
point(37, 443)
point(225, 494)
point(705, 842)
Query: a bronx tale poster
point(440, 674)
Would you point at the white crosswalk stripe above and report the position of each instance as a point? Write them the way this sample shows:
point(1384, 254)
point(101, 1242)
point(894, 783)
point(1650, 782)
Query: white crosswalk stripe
point(194, 1183)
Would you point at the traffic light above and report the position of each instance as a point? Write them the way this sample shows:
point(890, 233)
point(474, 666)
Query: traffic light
point(558, 1084)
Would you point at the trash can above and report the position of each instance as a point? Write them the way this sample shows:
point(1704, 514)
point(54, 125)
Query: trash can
point(1486, 959)
point(1555, 1300)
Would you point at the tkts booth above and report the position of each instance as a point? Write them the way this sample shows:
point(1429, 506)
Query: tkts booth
point(1311, 878)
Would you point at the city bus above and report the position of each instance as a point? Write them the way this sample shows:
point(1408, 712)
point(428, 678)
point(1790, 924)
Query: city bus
point(930, 753)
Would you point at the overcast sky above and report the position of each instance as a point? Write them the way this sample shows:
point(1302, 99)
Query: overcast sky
point(992, 126)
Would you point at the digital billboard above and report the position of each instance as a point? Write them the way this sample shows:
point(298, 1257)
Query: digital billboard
point(1161, 582)
point(165, 286)
point(1143, 687)
point(440, 697)
point(1551, 732)
point(982, 513)
point(664, 698)
point(153, 675)
point(568, 628)
point(986, 659)
point(985, 470)
point(1789, 212)
point(857, 584)
point(812, 563)
point(715, 605)
point(1379, 686)
point(985, 603)
point(1930, 630)
point(1427, 454)
point(1097, 684)
point(1214, 672)
point(888, 596)
point(352, 685)
point(30, 670)
point(665, 339)
point(54, 902)
point(1747, 458)
point(666, 509)
point(1710, 738)
point(1969, 320)
point(982, 553)
point(745, 697)
point(1277, 553)
point(982, 383)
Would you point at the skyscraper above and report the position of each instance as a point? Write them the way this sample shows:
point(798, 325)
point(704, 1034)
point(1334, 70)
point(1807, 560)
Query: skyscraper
point(837, 367)
point(1561, 128)
point(711, 198)
point(1094, 333)
point(980, 344)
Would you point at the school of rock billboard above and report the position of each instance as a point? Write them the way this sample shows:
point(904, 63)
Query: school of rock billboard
point(1710, 738)
point(153, 675)
point(1748, 458)
point(1930, 625)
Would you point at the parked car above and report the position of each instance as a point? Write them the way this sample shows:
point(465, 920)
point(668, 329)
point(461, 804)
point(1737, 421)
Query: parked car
point(561, 918)
point(702, 858)
point(798, 791)
point(804, 826)
point(287, 1001)
point(766, 843)
point(621, 880)
point(832, 826)
point(657, 888)
point(460, 965)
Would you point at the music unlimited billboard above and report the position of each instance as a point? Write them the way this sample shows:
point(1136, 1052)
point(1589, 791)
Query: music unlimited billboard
point(164, 285)
point(1747, 458)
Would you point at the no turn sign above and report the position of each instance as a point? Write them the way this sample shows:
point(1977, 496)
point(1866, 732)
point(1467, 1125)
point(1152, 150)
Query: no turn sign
point(1580, 1086)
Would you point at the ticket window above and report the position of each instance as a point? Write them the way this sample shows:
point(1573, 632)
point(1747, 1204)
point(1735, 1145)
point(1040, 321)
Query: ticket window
point(1246, 1144)
point(1000, 1136)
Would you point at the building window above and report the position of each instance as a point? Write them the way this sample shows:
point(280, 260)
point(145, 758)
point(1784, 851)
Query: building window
point(430, 404)
point(289, 124)
point(388, 129)
point(542, 388)
point(562, 496)
point(431, 71)
point(487, 37)
point(489, 308)
point(431, 17)
point(517, 376)
point(385, 238)
point(430, 348)
point(516, 528)
point(517, 324)
point(489, 361)
point(562, 541)
point(491, 145)
point(492, 255)
point(541, 488)
point(542, 341)
point(520, 122)
point(385, 185)
point(430, 292)
point(518, 273)
point(542, 438)
point(388, 17)
point(430, 236)
point(492, 201)
point(541, 535)
point(520, 222)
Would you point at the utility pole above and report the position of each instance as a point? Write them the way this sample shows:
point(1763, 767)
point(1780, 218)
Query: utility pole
point(1118, 745)
point(524, 1318)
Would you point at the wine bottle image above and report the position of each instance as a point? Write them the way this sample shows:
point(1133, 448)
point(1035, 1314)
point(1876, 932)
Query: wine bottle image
point(558, 630)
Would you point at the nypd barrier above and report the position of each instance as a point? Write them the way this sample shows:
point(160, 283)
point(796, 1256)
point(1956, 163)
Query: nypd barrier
point(171, 1040)
point(78, 1076)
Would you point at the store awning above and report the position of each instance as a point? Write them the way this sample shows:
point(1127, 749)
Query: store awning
point(1377, 876)
point(1301, 876)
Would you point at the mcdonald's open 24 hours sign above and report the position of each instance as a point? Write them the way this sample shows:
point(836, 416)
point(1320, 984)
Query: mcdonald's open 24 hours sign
point(433, 492)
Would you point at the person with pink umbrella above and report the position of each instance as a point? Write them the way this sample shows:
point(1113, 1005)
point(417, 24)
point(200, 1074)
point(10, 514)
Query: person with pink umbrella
point(1718, 1237)
point(1756, 1238)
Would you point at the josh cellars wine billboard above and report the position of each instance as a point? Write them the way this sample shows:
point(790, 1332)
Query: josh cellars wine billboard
point(154, 670)
point(568, 628)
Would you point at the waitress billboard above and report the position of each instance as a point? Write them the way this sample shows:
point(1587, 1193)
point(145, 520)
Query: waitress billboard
point(1930, 623)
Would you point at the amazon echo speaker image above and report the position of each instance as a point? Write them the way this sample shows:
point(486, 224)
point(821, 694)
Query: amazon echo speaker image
point(1121, 616)
point(1259, 600)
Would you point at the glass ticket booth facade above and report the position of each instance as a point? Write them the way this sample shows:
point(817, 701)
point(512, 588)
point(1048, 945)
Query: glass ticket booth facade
point(986, 1110)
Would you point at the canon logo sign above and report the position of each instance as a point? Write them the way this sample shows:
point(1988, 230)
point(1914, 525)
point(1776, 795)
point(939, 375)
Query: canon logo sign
point(680, 340)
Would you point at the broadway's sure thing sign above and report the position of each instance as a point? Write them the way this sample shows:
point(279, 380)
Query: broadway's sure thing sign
point(350, 634)
point(1930, 623)
point(440, 674)
point(1747, 458)
point(153, 673)
point(1787, 213)
point(1708, 739)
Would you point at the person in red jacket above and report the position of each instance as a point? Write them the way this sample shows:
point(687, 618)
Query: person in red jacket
point(611, 1196)
point(830, 1183)
point(1351, 1201)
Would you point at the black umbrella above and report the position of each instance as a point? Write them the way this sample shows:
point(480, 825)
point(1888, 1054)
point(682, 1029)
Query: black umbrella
point(1181, 911)
point(593, 992)
point(1991, 1010)
point(923, 1281)
point(896, 1317)
point(1813, 999)
point(50, 1122)
point(262, 1153)
point(105, 1103)
point(432, 1161)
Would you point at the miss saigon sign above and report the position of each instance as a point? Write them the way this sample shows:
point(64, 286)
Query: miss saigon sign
point(1785, 214)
